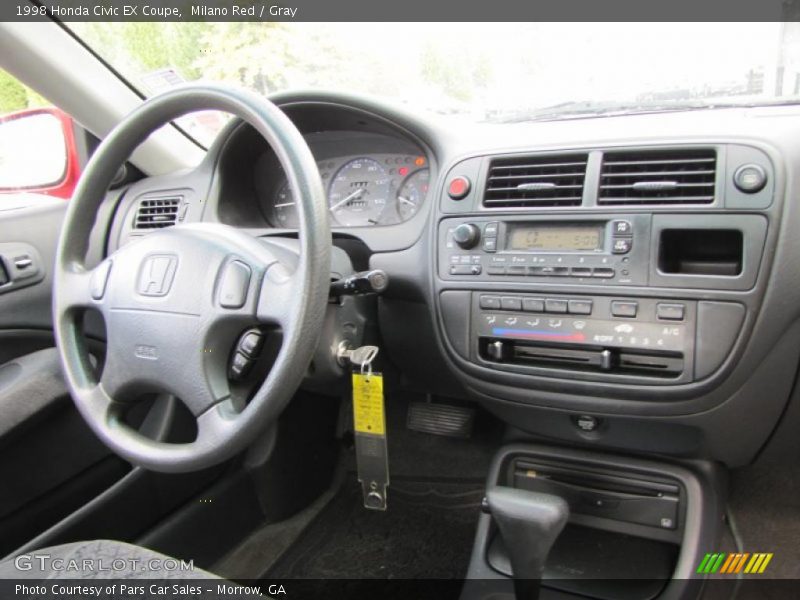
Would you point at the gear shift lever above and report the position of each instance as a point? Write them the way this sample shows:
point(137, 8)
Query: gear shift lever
point(529, 523)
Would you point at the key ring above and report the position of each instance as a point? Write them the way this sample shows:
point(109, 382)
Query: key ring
point(367, 363)
point(368, 366)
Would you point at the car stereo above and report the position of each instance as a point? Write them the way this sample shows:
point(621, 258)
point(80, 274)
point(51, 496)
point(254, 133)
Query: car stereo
point(608, 250)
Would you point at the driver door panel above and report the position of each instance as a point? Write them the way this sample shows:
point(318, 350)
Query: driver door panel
point(50, 462)
point(59, 482)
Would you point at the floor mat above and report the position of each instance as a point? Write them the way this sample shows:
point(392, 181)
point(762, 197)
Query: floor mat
point(764, 505)
point(426, 533)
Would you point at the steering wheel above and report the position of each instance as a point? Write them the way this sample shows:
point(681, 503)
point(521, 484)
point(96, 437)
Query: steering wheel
point(176, 301)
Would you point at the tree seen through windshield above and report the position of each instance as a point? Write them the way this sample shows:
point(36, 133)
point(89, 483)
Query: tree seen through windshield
point(479, 71)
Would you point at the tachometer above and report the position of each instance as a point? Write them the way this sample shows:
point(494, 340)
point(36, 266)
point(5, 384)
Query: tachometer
point(412, 193)
point(285, 208)
point(359, 193)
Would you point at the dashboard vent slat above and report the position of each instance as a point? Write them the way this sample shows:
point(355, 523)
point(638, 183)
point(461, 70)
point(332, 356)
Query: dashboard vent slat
point(157, 213)
point(679, 176)
point(535, 181)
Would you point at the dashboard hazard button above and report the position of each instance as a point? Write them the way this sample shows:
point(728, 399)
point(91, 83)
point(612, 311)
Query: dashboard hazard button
point(459, 187)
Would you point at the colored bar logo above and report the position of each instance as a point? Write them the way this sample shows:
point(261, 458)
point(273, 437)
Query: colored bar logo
point(739, 562)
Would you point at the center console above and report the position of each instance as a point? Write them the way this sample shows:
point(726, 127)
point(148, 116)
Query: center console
point(636, 529)
point(630, 266)
point(609, 304)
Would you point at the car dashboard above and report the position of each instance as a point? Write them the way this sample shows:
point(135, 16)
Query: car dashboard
point(624, 282)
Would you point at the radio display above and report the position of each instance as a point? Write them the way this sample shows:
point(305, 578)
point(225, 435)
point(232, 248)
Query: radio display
point(555, 238)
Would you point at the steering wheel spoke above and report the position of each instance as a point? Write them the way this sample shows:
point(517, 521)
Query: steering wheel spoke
point(216, 422)
point(279, 297)
point(81, 288)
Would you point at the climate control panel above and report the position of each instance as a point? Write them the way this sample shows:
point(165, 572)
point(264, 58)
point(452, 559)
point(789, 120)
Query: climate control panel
point(637, 337)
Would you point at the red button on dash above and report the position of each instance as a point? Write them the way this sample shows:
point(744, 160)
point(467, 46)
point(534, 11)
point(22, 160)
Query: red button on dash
point(458, 187)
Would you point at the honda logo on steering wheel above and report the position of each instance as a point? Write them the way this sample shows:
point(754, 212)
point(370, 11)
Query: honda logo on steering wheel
point(156, 275)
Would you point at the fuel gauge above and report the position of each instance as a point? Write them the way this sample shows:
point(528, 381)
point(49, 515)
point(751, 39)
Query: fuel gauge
point(285, 208)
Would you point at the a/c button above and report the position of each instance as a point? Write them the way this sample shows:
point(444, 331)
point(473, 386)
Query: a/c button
point(670, 312)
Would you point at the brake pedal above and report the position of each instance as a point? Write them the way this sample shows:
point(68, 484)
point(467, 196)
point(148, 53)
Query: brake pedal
point(440, 419)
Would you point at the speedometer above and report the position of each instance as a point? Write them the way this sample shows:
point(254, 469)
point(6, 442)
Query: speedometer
point(359, 193)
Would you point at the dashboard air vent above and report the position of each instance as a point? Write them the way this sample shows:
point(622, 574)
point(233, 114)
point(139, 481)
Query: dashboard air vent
point(531, 181)
point(157, 213)
point(684, 176)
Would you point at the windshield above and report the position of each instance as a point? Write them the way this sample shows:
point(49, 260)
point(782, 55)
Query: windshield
point(478, 71)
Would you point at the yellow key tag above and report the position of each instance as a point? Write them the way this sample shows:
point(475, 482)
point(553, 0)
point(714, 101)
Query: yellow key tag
point(369, 422)
point(368, 414)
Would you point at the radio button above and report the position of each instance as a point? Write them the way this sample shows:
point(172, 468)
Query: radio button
point(580, 307)
point(515, 270)
point(507, 303)
point(622, 228)
point(465, 269)
point(490, 230)
point(467, 235)
point(622, 246)
point(606, 273)
point(621, 308)
point(533, 304)
point(555, 305)
point(670, 312)
point(750, 178)
point(490, 244)
point(548, 271)
point(581, 272)
point(494, 270)
point(490, 302)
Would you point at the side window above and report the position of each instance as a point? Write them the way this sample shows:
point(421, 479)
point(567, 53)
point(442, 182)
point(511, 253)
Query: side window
point(37, 143)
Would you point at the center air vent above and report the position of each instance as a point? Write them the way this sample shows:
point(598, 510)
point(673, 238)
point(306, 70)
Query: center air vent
point(684, 176)
point(531, 181)
point(157, 213)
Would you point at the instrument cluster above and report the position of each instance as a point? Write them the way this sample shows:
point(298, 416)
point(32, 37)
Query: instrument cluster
point(362, 191)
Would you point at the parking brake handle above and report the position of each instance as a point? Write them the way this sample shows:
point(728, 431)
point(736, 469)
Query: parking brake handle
point(529, 523)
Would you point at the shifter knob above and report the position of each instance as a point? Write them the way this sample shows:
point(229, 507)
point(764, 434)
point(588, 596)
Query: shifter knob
point(529, 523)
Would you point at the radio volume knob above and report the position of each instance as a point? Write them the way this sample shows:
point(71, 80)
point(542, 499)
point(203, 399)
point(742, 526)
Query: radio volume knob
point(467, 235)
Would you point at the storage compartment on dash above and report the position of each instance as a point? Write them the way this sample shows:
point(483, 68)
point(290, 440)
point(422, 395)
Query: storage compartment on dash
point(715, 252)
point(582, 358)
